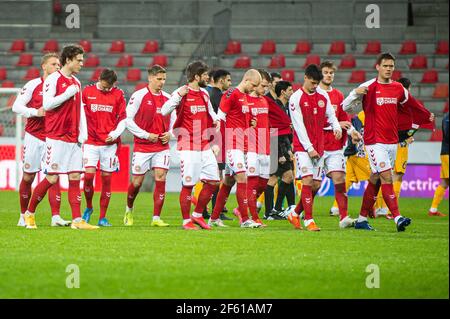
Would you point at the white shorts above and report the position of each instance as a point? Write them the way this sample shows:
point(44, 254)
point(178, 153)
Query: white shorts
point(235, 162)
point(258, 165)
point(62, 157)
point(333, 161)
point(307, 167)
point(198, 165)
point(33, 153)
point(143, 162)
point(381, 157)
point(106, 154)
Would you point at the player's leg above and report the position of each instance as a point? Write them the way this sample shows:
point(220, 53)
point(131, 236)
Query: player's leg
point(190, 162)
point(222, 196)
point(269, 197)
point(91, 156)
point(25, 195)
point(439, 193)
point(54, 198)
point(253, 171)
point(160, 166)
point(140, 164)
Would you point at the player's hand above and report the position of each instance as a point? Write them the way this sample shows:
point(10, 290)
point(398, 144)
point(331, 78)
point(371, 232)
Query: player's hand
point(356, 137)
point(165, 138)
point(216, 124)
point(41, 112)
point(109, 139)
point(313, 154)
point(345, 125)
point(362, 90)
point(291, 155)
point(215, 149)
point(337, 134)
point(183, 90)
point(431, 117)
point(410, 140)
point(71, 90)
point(253, 122)
point(282, 160)
point(153, 138)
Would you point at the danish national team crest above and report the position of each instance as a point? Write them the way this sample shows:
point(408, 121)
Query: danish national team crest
point(321, 103)
point(54, 166)
point(194, 109)
point(380, 101)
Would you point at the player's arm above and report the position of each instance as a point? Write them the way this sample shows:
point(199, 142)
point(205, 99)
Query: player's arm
point(332, 119)
point(83, 136)
point(297, 121)
point(131, 110)
point(224, 106)
point(50, 100)
point(353, 102)
point(22, 100)
point(122, 118)
point(174, 101)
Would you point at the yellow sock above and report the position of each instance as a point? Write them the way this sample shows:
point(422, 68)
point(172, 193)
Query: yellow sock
point(261, 199)
point(397, 188)
point(275, 192)
point(197, 189)
point(438, 196)
point(298, 187)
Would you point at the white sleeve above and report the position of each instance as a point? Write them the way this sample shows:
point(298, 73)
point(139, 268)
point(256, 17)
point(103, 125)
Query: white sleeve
point(132, 109)
point(331, 115)
point(221, 115)
point(83, 126)
point(119, 129)
point(352, 104)
point(24, 97)
point(406, 96)
point(297, 121)
point(172, 103)
point(173, 118)
point(211, 111)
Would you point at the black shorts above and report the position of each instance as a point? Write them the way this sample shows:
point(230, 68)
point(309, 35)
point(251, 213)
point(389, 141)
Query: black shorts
point(221, 166)
point(282, 168)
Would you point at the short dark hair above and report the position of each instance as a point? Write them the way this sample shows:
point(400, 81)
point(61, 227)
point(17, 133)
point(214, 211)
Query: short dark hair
point(265, 75)
point(195, 68)
point(109, 76)
point(385, 56)
point(275, 75)
point(70, 52)
point(155, 69)
point(281, 86)
point(405, 82)
point(313, 71)
point(220, 73)
point(328, 64)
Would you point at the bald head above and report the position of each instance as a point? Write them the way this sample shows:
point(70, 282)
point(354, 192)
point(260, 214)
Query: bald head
point(250, 81)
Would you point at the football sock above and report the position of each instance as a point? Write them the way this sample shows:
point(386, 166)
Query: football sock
point(88, 188)
point(390, 199)
point(241, 195)
point(158, 197)
point(341, 198)
point(132, 193)
point(204, 197)
point(252, 189)
point(307, 201)
point(24, 195)
point(222, 197)
point(438, 196)
point(268, 200)
point(105, 195)
point(282, 189)
point(369, 198)
point(75, 198)
point(54, 198)
point(38, 194)
point(185, 201)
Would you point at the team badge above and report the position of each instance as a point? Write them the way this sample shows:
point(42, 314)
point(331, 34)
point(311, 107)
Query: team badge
point(85, 161)
point(54, 166)
point(194, 109)
point(188, 179)
point(321, 103)
point(137, 168)
point(94, 107)
point(240, 165)
point(27, 165)
point(304, 169)
point(382, 164)
point(380, 101)
point(252, 169)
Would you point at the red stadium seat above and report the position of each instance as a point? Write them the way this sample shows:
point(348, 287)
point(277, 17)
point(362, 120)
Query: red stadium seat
point(86, 44)
point(8, 84)
point(436, 136)
point(442, 47)
point(373, 47)
point(445, 110)
point(288, 75)
point(243, 62)
point(51, 46)
point(296, 86)
point(268, 47)
point(117, 46)
point(25, 59)
point(133, 75)
point(311, 59)
point(302, 47)
point(96, 74)
point(151, 46)
point(277, 62)
point(3, 73)
point(233, 47)
point(125, 61)
point(441, 91)
point(430, 76)
point(32, 73)
point(17, 46)
point(419, 62)
point(347, 62)
point(92, 61)
point(161, 60)
point(397, 74)
point(357, 76)
point(140, 85)
point(337, 47)
point(408, 47)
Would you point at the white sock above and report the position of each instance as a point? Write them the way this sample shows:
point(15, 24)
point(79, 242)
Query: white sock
point(308, 221)
point(56, 217)
point(197, 215)
point(362, 219)
point(156, 218)
point(129, 210)
point(22, 215)
point(397, 218)
point(433, 210)
point(77, 220)
point(27, 213)
point(186, 221)
point(294, 214)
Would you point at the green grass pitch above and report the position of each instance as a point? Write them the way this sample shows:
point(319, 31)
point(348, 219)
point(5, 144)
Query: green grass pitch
point(274, 262)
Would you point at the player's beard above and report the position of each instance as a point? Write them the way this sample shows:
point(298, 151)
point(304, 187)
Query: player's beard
point(202, 84)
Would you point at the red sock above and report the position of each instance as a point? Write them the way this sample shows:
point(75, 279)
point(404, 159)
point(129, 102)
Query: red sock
point(222, 197)
point(262, 184)
point(204, 197)
point(185, 201)
point(307, 201)
point(106, 195)
point(39, 194)
point(132, 193)
point(341, 198)
point(75, 198)
point(252, 189)
point(24, 195)
point(369, 198)
point(158, 197)
point(241, 195)
point(299, 208)
point(88, 188)
point(54, 198)
point(390, 199)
